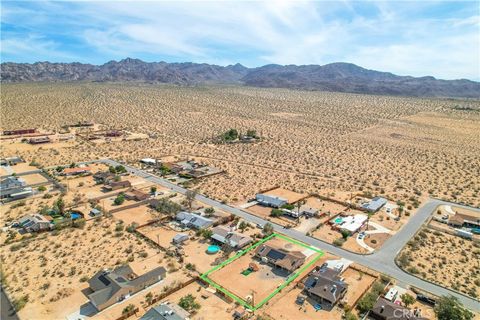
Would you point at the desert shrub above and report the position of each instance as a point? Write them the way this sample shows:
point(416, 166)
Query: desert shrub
point(188, 303)
point(339, 242)
point(19, 303)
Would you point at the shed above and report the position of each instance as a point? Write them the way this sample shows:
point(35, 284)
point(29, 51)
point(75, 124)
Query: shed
point(179, 238)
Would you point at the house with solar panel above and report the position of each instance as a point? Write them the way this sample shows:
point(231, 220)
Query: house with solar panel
point(34, 223)
point(325, 286)
point(109, 287)
point(281, 258)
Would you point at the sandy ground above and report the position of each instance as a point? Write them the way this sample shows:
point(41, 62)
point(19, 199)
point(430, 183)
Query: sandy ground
point(289, 195)
point(445, 259)
point(160, 234)
point(196, 253)
point(139, 215)
point(264, 212)
point(114, 312)
point(34, 178)
point(213, 307)
point(286, 308)
point(54, 266)
point(265, 280)
point(358, 283)
point(426, 145)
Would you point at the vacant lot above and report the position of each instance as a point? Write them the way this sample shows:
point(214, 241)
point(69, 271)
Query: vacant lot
point(312, 141)
point(55, 265)
point(264, 212)
point(289, 195)
point(444, 259)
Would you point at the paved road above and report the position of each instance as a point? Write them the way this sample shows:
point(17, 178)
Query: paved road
point(381, 261)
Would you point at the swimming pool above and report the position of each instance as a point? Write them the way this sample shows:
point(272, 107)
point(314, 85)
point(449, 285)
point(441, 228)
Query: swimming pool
point(212, 249)
point(338, 220)
point(75, 215)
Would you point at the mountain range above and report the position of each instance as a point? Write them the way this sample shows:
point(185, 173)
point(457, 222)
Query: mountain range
point(335, 77)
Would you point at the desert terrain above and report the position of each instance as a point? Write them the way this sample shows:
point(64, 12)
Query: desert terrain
point(402, 148)
point(445, 259)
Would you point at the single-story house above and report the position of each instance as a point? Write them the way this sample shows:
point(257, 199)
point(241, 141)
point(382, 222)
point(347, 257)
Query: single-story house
point(192, 220)
point(375, 204)
point(34, 223)
point(21, 194)
point(350, 223)
point(14, 187)
point(180, 238)
point(137, 195)
point(325, 286)
point(270, 201)
point(115, 185)
point(18, 132)
point(110, 287)
point(76, 171)
point(288, 260)
point(233, 239)
point(12, 182)
point(11, 161)
point(95, 213)
point(309, 212)
point(465, 220)
point(386, 310)
point(38, 140)
point(148, 161)
point(103, 176)
point(166, 311)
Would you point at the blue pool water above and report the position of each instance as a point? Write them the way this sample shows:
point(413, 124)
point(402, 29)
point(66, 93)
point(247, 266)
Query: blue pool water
point(75, 216)
point(213, 249)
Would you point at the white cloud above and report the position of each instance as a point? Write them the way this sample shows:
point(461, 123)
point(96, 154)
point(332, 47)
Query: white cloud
point(377, 35)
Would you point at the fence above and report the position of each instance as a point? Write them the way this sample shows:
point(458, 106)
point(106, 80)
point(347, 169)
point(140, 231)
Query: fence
point(130, 206)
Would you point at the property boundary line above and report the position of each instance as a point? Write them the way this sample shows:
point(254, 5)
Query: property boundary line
point(319, 254)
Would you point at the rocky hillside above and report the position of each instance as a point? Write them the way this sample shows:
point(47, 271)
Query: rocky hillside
point(340, 77)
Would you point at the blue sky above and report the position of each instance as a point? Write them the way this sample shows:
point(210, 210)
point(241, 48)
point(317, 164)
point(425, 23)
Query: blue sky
point(438, 38)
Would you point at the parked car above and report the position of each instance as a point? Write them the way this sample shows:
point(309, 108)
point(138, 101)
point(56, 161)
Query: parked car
point(427, 300)
point(300, 300)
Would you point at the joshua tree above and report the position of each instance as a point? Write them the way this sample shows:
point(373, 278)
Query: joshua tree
point(190, 197)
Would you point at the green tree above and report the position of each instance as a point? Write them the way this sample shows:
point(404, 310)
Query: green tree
point(120, 169)
point(119, 199)
point(188, 303)
point(128, 309)
point(209, 210)
point(59, 206)
point(206, 233)
point(167, 207)
point(149, 298)
point(449, 308)
point(153, 190)
point(42, 188)
point(345, 234)
point(190, 197)
point(276, 213)
point(350, 316)
point(243, 225)
point(268, 229)
point(367, 302)
point(407, 299)
point(252, 133)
